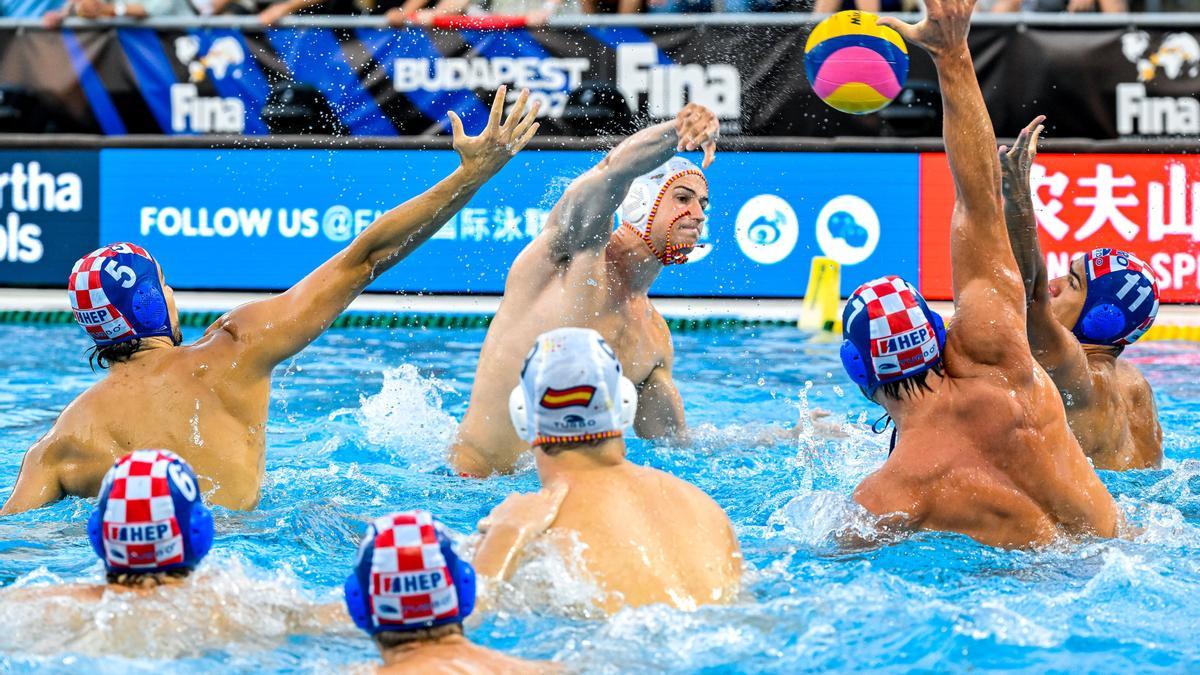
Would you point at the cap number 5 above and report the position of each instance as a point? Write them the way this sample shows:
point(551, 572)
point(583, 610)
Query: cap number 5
point(119, 272)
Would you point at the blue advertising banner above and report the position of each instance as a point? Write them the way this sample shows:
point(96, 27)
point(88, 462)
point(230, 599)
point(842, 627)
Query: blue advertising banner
point(48, 214)
point(262, 219)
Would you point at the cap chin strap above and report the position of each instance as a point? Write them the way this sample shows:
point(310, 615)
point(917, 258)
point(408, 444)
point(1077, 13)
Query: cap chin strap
point(674, 254)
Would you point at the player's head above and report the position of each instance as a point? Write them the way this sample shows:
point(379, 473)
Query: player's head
point(150, 518)
point(666, 208)
point(119, 298)
point(891, 339)
point(408, 584)
point(1108, 297)
point(571, 391)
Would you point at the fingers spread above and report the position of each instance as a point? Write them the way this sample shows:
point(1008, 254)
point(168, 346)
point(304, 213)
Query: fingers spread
point(497, 107)
point(518, 110)
point(520, 144)
point(456, 125)
point(1033, 141)
point(528, 120)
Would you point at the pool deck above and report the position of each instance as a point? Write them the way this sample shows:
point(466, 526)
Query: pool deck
point(771, 309)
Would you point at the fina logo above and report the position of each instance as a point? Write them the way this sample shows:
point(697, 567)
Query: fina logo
point(767, 229)
point(848, 229)
point(1178, 55)
point(191, 112)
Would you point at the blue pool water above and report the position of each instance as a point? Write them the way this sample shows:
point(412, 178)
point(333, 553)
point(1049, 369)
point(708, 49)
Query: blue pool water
point(358, 423)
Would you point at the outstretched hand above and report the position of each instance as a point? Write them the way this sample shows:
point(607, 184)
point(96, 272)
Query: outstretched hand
point(1016, 162)
point(697, 128)
point(944, 29)
point(484, 155)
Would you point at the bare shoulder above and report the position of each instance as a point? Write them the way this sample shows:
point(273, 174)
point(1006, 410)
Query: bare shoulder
point(681, 492)
point(987, 332)
point(892, 491)
point(1133, 383)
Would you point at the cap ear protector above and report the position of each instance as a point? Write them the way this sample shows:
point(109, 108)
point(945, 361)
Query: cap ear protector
point(1102, 323)
point(358, 603)
point(518, 412)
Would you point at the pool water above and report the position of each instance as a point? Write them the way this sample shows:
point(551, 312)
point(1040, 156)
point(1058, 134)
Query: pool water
point(358, 426)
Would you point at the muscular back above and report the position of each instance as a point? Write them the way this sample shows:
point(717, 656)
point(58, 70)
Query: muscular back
point(541, 295)
point(189, 400)
point(987, 454)
point(651, 538)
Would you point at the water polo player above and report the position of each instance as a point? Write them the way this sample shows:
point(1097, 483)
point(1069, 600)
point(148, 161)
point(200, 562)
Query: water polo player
point(208, 400)
point(1079, 324)
point(150, 526)
point(580, 272)
point(982, 444)
point(410, 592)
point(648, 537)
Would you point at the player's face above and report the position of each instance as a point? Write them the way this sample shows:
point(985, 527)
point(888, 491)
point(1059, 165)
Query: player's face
point(683, 205)
point(1067, 294)
point(172, 310)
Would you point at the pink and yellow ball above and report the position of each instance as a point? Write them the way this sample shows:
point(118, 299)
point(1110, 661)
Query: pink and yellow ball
point(854, 64)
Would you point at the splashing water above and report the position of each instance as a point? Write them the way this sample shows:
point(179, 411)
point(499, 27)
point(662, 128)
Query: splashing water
point(354, 434)
point(406, 416)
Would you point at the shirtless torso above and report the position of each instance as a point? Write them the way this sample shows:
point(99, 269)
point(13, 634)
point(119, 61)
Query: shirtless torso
point(207, 402)
point(986, 451)
point(540, 296)
point(648, 537)
point(1110, 405)
point(580, 272)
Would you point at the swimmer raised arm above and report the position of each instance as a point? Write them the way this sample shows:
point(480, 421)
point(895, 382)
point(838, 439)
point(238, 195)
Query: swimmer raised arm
point(582, 220)
point(988, 295)
point(1052, 344)
point(1079, 324)
point(274, 329)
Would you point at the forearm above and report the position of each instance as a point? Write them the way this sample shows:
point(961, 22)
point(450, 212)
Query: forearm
point(970, 140)
point(639, 154)
point(404, 228)
point(1022, 236)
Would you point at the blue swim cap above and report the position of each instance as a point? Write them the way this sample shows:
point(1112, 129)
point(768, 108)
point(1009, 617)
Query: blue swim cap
point(150, 516)
point(408, 577)
point(1122, 299)
point(889, 334)
point(117, 297)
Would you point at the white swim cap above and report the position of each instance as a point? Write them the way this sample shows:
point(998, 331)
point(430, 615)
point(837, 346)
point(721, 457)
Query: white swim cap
point(644, 197)
point(571, 390)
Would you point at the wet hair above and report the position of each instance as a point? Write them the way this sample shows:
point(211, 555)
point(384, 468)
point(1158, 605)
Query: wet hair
point(118, 353)
point(146, 579)
point(390, 639)
point(910, 385)
point(556, 449)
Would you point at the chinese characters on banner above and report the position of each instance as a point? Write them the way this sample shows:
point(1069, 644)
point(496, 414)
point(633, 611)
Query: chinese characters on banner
point(1146, 204)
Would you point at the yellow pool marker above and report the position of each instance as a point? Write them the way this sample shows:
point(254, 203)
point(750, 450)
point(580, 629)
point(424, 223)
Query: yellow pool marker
point(824, 295)
point(1172, 332)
